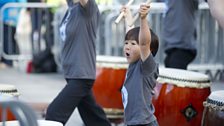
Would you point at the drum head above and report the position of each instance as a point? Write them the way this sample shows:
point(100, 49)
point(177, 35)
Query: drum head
point(111, 62)
point(183, 78)
point(40, 123)
point(8, 89)
point(217, 96)
point(215, 100)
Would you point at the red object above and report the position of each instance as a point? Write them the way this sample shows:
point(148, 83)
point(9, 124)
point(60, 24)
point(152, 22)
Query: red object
point(179, 106)
point(29, 68)
point(9, 117)
point(110, 76)
point(107, 87)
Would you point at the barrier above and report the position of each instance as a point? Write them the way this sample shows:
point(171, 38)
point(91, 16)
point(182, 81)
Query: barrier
point(29, 46)
point(110, 36)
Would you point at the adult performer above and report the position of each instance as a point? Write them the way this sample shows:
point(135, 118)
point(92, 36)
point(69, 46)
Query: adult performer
point(78, 32)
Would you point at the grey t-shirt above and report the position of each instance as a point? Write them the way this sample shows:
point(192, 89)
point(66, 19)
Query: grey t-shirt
point(179, 29)
point(137, 92)
point(78, 32)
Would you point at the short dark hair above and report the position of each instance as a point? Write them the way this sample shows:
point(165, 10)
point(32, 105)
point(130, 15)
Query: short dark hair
point(133, 34)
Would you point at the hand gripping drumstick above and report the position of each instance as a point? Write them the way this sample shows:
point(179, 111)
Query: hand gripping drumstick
point(137, 15)
point(122, 13)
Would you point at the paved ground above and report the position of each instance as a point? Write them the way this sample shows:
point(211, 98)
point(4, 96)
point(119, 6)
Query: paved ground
point(42, 88)
point(38, 89)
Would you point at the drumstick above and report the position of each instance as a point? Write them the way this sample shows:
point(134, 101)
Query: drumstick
point(122, 13)
point(137, 15)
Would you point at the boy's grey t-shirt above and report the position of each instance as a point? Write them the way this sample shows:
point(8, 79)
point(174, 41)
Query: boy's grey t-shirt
point(78, 33)
point(137, 92)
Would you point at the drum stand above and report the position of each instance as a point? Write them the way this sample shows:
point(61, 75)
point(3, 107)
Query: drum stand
point(20, 110)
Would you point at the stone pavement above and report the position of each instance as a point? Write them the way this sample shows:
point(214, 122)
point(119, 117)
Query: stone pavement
point(37, 90)
point(40, 89)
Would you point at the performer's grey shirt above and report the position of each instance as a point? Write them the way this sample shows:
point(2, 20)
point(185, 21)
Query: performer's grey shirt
point(78, 32)
point(179, 29)
point(137, 92)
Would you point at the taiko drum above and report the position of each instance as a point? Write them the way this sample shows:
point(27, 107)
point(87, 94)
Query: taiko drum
point(10, 92)
point(110, 75)
point(40, 123)
point(213, 114)
point(179, 96)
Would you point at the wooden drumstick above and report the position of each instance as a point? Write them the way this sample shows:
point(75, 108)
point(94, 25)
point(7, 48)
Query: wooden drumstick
point(122, 13)
point(137, 15)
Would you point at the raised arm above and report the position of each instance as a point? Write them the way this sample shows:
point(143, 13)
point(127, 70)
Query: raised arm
point(217, 10)
point(144, 33)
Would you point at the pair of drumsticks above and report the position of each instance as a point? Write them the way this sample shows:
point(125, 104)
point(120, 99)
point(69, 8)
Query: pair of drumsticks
point(135, 17)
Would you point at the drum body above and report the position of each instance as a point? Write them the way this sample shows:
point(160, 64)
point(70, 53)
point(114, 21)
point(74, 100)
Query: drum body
point(214, 109)
point(110, 76)
point(179, 96)
point(40, 123)
point(11, 92)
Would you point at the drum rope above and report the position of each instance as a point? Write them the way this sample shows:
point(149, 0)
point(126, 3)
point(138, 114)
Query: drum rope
point(13, 92)
point(216, 105)
point(8, 91)
point(185, 80)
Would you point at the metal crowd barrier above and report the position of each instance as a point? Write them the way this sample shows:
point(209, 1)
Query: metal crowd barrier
point(23, 113)
point(209, 37)
point(34, 42)
point(210, 41)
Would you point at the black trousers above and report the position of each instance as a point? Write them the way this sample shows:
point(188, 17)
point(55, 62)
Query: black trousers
point(77, 93)
point(179, 58)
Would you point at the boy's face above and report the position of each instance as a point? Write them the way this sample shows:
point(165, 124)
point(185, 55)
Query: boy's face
point(131, 51)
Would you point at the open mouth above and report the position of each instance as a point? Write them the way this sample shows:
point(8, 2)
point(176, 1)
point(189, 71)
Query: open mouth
point(127, 54)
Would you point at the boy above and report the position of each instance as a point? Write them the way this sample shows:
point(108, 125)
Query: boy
point(141, 44)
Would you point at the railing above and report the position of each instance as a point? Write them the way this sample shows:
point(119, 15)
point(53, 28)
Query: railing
point(210, 41)
point(23, 113)
point(30, 46)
